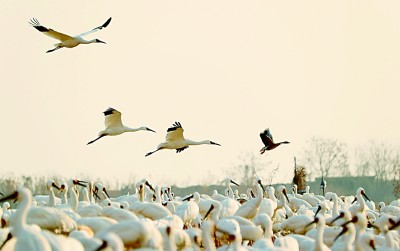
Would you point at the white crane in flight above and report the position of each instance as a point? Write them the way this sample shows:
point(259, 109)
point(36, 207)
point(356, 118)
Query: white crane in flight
point(66, 40)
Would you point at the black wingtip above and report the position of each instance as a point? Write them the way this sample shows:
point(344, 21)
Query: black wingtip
point(174, 126)
point(35, 23)
point(109, 111)
point(41, 28)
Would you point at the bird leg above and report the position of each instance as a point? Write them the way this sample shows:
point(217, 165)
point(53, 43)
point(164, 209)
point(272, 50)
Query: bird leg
point(90, 142)
point(9, 237)
point(58, 47)
point(150, 153)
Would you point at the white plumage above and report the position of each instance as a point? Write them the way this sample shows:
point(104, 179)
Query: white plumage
point(114, 126)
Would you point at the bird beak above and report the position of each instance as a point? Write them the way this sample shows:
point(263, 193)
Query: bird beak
point(14, 195)
point(344, 230)
point(213, 143)
point(395, 225)
point(95, 191)
point(148, 129)
point(209, 211)
point(284, 193)
point(312, 222)
point(105, 191)
point(149, 185)
point(365, 195)
point(338, 217)
point(99, 41)
point(103, 245)
point(80, 183)
point(372, 244)
point(62, 188)
point(233, 182)
point(188, 198)
point(9, 236)
point(318, 209)
point(259, 182)
point(55, 186)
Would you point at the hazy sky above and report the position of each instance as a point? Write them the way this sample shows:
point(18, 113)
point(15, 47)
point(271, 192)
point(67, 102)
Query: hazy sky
point(225, 69)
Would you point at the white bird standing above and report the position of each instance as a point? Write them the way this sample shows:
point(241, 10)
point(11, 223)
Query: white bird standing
point(114, 125)
point(50, 199)
point(361, 207)
point(66, 40)
point(175, 140)
point(27, 238)
point(250, 208)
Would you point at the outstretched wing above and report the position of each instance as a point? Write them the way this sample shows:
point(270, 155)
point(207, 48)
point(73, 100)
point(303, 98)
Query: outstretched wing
point(49, 32)
point(266, 137)
point(175, 132)
point(97, 28)
point(112, 118)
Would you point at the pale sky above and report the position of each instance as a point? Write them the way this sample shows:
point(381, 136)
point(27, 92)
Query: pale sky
point(225, 69)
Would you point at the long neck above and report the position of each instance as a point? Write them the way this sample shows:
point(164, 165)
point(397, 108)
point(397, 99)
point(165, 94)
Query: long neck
point(236, 245)
point(260, 195)
point(74, 198)
point(207, 228)
point(194, 143)
point(335, 206)
point(319, 237)
point(217, 211)
point(271, 195)
point(266, 223)
point(141, 194)
point(19, 222)
point(361, 200)
point(351, 236)
point(130, 129)
point(230, 194)
point(51, 198)
point(170, 245)
point(91, 199)
point(84, 41)
point(158, 194)
point(64, 197)
point(85, 195)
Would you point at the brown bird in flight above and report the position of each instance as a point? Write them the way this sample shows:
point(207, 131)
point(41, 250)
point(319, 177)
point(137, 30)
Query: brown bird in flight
point(268, 141)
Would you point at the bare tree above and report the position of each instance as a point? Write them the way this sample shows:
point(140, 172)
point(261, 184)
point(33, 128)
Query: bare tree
point(327, 157)
point(250, 164)
point(379, 159)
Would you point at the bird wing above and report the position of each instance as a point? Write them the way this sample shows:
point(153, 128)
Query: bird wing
point(175, 132)
point(112, 118)
point(97, 28)
point(49, 32)
point(266, 137)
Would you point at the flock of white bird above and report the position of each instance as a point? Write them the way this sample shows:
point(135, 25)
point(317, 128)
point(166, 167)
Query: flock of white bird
point(153, 218)
point(156, 219)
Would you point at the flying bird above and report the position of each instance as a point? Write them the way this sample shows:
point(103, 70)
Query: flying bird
point(114, 125)
point(66, 40)
point(175, 140)
point(268, 141)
